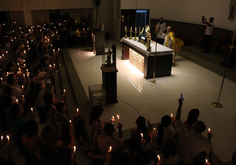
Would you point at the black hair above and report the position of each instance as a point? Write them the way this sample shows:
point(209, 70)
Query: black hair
point(165, 122)
point(60, 106)
point(109, 129)
point(192, 116)
point(141, 123)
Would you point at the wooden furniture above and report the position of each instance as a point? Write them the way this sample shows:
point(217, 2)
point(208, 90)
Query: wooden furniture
point(145, 61)
point(109, 81)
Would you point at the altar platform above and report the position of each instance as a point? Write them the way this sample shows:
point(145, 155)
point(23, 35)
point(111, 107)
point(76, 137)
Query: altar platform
point(154, 63)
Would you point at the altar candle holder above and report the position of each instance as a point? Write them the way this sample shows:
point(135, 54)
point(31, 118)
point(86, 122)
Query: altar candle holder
point(135, 34)
point(130, 33)
point(125, 32)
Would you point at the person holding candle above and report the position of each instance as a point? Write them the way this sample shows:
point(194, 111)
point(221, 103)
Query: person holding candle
point(106, 141)
point(163, 133)
point(31, 142)
point(141, 128)
point(53, 150)
point(192, 145)
point(18, 124)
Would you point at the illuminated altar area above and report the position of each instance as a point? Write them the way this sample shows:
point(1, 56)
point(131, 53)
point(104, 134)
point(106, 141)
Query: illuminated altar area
point(144, 60)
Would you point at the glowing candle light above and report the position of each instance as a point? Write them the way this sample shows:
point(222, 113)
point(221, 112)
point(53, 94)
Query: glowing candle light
point(64, 90)
point(1, 78)
point(53, 50)
point(141, 135)
point(77, 110)
point(69, 121)
point(154, 129)
point(18, 63)
point(171, 115)
point(6, 52)
point(159, 158)
point(59, 49)
point(32, 109)
point(8, 138)
point(27, 70)
point(22, 86)
point(17, 101)
point(74, 149)
point(54, 65)
point(209, 129)
point(50, 66)
point(110, 148)
point(118, 117)
point(206, 160)
point(23, 96)
point(1, 138)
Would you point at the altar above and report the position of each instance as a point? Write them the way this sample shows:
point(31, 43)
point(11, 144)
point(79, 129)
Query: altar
point(145, 60)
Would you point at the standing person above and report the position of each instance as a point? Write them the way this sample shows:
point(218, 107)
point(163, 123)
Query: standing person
point(162, 27)
point(208, 33)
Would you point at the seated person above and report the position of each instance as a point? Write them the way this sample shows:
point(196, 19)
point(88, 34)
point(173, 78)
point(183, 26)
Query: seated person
point(105, 141)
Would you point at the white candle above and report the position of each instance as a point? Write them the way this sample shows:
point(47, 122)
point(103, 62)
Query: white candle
point(59, 49)
point(141, 135)
point(50, 66)
point(118, 117)
point(159, 158)
point(77, 110)
point(110, 148)
point(64, 91)
point(1, 138)
point(22, 86)
point(171, 115)
point(1, 78)
point(206, 161)
point(69, 121)
point(16, 100)
point(74, 149)
point(32, 109)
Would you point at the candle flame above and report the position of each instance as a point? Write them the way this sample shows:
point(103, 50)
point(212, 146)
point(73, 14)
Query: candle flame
point(118, 117)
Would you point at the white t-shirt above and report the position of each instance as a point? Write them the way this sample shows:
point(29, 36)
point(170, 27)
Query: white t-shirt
point(162, 28)
point(209, 29)
point(191, 144)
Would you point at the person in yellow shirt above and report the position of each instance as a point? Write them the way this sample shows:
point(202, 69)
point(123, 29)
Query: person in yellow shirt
point(171, 42)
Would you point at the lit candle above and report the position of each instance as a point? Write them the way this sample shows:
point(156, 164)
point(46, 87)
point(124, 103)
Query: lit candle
point(27, 70)
point(154, 129)
point(110, 148)
point(8, 138)
point(159, 158)
point(74, 149)
point(69, 121)
point(28, 75)
point(18, 63)
point(32, 109)
point(64, 90)
point(53, 50)
point(206, 160)
point(77, 110)
point(23, 96)
point(141, 135)
point(171, 115)
point(209, 129)
point(1, 78)
point(1, 138)
point(59, 49)
point(50, 66)
point(16, 101)
point(22, 86)
point(6, 52)
point(118, 117)
point(54, 65)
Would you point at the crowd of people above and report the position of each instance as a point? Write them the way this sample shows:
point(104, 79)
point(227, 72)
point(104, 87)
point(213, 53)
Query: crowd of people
point(27, 66)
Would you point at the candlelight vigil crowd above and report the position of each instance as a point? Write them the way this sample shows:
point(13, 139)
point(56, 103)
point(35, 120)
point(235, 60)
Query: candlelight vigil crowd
point(27, 69)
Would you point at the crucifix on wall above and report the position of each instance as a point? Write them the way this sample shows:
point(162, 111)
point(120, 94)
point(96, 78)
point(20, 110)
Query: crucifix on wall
point(128, 18)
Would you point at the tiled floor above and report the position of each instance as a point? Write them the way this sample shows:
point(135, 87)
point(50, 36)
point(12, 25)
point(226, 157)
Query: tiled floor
point(138, 96)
